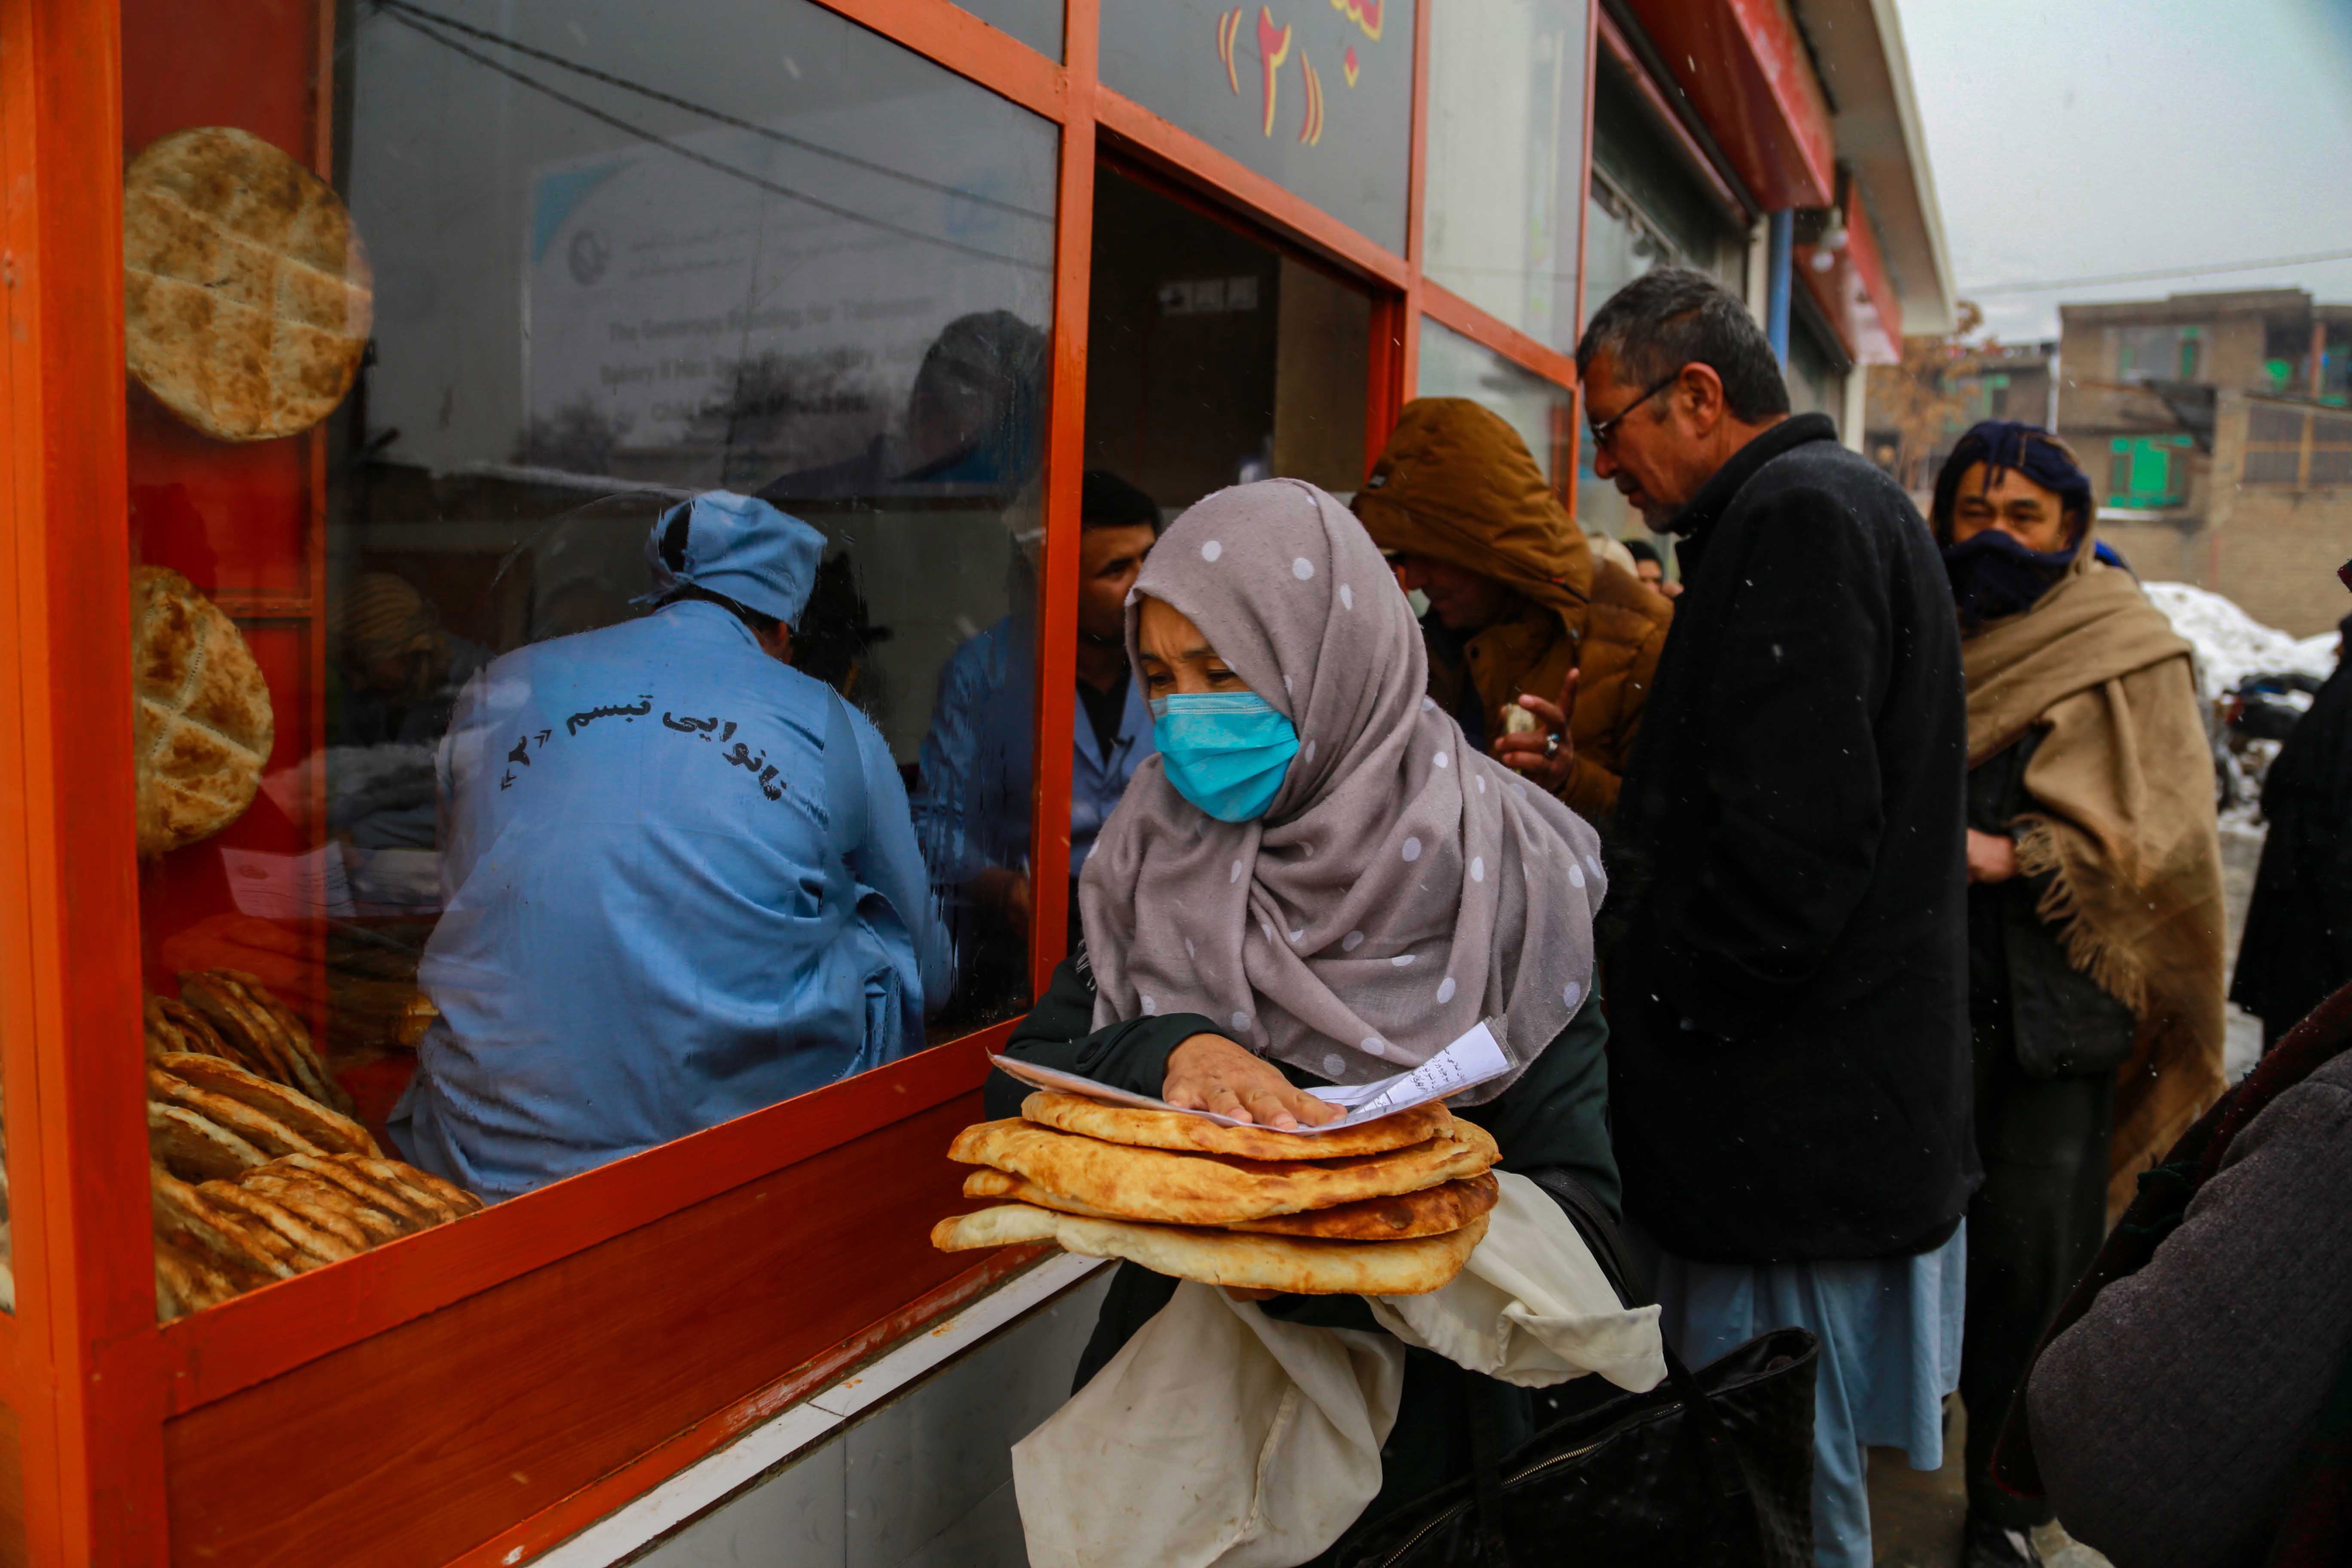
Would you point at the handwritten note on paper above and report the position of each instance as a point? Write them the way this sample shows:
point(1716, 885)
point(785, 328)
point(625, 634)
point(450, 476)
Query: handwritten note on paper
point(1467, 1062)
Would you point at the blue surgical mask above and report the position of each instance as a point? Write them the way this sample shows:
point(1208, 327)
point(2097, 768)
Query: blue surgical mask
point(1225, 752)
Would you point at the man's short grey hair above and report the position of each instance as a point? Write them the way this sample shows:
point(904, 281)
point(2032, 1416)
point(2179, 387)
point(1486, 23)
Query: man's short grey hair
point(1674, 317)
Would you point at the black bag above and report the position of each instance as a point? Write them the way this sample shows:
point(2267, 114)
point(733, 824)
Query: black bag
point(1711, 1468)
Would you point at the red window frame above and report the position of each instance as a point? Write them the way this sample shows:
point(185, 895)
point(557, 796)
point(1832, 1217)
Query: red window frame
point(100, 1406)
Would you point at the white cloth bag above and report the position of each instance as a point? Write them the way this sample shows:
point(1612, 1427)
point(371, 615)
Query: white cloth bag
point(1221, 1436)
point(1217, 1434)
point(1531, 1306)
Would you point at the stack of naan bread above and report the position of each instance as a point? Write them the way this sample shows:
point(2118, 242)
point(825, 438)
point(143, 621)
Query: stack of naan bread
point(1391, 1207)
point(259, 1172)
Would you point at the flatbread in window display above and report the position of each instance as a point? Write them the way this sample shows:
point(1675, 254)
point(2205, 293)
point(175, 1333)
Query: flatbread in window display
point(202, 726)
point(247, 297)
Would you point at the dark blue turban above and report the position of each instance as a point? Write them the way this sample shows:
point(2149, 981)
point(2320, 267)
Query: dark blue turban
point(2004, 444)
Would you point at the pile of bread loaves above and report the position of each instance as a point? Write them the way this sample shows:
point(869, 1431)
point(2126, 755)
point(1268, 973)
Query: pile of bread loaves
point(1391, 1207)
point(259, 1172)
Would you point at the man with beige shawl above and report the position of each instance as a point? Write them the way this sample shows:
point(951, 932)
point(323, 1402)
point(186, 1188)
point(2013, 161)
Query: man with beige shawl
point(2094, 908)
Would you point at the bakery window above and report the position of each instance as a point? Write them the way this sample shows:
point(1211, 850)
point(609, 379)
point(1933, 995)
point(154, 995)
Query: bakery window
point(586, 500)
point(1539, 410)
point(1318, 99)
point(1506, 170)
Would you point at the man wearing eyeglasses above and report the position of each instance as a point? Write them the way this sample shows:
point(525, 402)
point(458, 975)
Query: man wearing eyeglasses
point(1789, 1073)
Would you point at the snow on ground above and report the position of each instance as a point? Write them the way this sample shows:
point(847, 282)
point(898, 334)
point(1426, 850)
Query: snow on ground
point(2231, 644)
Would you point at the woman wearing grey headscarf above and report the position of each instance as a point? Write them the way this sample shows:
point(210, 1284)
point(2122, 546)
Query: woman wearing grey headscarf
point(1318, 880)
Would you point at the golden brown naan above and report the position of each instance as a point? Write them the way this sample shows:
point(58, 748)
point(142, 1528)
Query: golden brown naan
point(1293, 1265)
point(322, 1130)
point(201, 723)
point(194, 1147)
point(1432, 1210)
point(1141, 1127)
point(1166, 1187)
point(247, 297)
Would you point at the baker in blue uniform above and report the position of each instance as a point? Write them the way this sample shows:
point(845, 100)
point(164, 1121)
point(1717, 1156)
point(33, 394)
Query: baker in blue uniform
point(977, 759)
point(679, 878)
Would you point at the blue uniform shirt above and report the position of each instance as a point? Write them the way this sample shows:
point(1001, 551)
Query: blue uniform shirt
point(978, 760)
point(680, 884)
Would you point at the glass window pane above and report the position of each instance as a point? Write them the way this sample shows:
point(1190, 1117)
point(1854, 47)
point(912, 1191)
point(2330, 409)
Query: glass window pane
point(1647, 208)
point(518, 846)
point(1036, 23)
point(1453, 366)
point(1505, 159)
point(1320, 100)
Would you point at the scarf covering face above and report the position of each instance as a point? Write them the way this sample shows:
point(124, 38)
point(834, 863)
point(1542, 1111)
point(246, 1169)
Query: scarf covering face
point(2120, 819)
point(1993, 576)
point(1401, 887)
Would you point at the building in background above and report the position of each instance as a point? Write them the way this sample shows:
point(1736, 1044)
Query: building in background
point(1780, 151)
point(2216, 427)
point(1920, 406)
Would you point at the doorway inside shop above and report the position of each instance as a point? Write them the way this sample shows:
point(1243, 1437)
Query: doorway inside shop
point(1214, 357)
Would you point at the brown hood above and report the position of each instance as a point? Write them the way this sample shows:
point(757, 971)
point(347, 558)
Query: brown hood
point(1457, 484)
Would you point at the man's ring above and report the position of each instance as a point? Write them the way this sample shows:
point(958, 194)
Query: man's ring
point(1551, 746)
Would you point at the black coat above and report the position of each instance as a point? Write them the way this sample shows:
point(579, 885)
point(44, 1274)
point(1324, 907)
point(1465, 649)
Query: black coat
point(2298, 947)
point(1788, 999)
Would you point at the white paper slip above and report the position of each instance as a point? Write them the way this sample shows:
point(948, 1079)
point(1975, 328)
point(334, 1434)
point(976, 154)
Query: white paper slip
point(1466, 1063)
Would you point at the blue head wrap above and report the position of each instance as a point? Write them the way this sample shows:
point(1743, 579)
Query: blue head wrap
point(2004, 444)
point(739, 547)
point(1994, 576)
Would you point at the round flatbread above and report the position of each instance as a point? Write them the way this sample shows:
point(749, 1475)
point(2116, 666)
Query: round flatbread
point(201, 722)
point(1432, 1210)
point(1293, 1265)
point(247, 297)
point(1143, 1128)
point(1165, 1187)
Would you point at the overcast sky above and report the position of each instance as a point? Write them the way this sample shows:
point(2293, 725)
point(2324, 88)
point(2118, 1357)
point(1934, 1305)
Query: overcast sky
point(2081, 138)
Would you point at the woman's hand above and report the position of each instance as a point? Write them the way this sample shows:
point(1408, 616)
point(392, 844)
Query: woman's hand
point(1993, 856)
point(1209, 1072)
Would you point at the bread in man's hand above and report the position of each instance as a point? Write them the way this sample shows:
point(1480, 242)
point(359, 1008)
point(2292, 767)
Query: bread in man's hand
point(1166, 1187)
point(1141, 1127)
point(1293, 1265)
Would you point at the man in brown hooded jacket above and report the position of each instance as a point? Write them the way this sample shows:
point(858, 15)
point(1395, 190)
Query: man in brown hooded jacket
point(1519, 605)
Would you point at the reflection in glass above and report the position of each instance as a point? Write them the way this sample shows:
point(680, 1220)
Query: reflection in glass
point(1318, 99)
point(1648, 208)
point(1505, 159)
point(1036, 23)
point(1539, 410)
point(482, 914)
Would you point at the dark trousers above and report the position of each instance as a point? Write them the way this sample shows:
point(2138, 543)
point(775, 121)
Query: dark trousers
point(2033, 1228)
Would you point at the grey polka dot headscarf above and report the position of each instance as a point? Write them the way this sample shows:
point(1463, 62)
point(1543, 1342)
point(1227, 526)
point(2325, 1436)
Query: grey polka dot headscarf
point(1402, 886)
